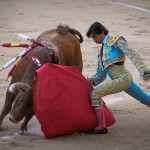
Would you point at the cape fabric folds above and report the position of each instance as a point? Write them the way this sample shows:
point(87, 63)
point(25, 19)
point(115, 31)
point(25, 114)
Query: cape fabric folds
point(62, 100)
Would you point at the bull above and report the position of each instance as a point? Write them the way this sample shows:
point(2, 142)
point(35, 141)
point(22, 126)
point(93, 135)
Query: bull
point(60, 46)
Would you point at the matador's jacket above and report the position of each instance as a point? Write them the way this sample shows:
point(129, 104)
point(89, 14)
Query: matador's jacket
point(114, 50)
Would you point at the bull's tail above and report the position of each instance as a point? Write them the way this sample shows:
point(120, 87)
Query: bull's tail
point(73, 31)
point(64, 29)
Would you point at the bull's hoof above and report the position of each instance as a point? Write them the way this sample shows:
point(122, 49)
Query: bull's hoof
point(22, 131)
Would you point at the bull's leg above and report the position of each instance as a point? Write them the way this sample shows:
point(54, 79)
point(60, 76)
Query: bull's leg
point(23, 128)
point(7, 106)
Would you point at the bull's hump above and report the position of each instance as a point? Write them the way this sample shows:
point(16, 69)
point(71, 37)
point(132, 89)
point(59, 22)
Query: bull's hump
point(50, 34)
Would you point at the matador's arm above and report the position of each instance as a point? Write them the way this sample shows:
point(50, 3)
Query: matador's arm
point(122, 44)
point(100, 74)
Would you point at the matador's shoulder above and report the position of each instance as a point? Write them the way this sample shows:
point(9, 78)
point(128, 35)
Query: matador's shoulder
point(112, 39)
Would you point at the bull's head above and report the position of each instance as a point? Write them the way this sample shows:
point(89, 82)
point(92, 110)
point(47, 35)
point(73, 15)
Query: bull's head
point(23, 103)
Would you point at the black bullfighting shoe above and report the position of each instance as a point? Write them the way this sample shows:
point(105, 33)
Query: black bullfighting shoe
point(93, 131)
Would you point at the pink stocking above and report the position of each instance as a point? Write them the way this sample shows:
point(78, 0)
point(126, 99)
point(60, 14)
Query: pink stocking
point(100, 117)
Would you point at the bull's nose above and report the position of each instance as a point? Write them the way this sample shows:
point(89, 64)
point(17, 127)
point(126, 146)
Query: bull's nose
point(12, 119)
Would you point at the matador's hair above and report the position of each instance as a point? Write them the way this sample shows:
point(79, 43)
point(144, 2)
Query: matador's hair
point(97, 28)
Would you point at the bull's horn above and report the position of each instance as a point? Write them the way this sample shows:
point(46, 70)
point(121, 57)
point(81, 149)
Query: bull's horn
point(19, 86)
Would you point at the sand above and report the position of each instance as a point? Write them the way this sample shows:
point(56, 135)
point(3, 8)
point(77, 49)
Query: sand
point(129, 18)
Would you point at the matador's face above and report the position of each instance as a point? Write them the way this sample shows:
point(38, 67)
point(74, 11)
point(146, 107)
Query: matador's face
point(97, 38)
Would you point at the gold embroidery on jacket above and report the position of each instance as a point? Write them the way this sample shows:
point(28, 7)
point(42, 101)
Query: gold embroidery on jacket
point(105, 57)
point(134, 56)
point(122, 80)
point(106, 50)
point(112, 39)
point(108, 63)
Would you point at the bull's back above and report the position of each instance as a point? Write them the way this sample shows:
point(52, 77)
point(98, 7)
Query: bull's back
point(67, 46)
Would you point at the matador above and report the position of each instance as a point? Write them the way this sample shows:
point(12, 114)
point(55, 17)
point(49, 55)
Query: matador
point(111, 59)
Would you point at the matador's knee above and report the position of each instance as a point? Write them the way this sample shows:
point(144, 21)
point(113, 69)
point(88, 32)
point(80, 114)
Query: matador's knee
point(96, 101)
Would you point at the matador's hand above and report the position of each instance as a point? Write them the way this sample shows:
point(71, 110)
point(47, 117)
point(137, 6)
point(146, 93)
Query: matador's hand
point(146, 75)
point(90, 80)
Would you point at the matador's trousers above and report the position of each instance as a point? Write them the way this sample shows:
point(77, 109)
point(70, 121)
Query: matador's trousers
point(121, 80)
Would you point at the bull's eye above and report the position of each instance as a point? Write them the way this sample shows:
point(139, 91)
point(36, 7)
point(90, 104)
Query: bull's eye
point(20, 101)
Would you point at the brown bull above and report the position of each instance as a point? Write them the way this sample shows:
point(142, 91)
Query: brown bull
point(60, 46)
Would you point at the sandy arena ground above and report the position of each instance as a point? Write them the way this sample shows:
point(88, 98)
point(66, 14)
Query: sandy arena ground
point(126, 17)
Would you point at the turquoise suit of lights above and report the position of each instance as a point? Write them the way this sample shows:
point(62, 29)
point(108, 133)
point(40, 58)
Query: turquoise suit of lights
point(115, 49)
